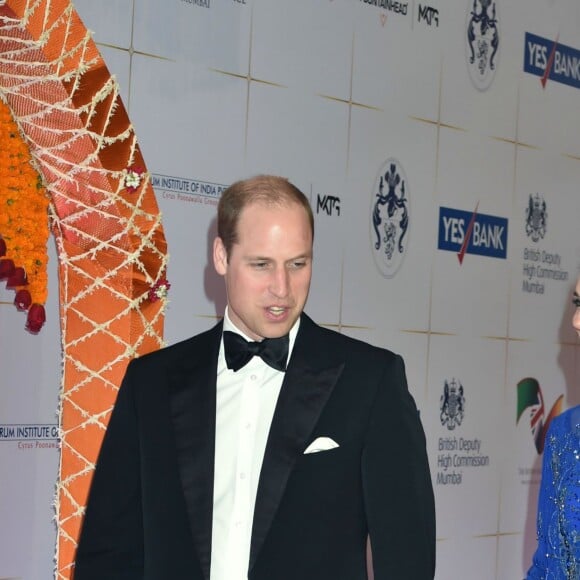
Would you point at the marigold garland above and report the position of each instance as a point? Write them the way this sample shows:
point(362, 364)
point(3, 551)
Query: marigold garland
point(24, 224)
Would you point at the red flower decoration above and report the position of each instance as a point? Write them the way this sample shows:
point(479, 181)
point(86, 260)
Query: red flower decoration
point(159, 290)
point(2, 247)
point(17, 278)
point(36, 318)
point(22, 300)
point(6, 268)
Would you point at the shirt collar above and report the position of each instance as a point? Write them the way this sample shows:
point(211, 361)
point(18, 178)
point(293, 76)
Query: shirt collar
point(229, 325)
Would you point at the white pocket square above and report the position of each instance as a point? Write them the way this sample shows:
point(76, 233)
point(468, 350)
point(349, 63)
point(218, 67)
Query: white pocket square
point(321, 444)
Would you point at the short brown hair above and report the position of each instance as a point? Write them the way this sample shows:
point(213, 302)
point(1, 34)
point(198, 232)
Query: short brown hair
point(266, 189)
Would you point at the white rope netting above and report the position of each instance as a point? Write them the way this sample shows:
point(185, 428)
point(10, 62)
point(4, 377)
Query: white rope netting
point(110, 241)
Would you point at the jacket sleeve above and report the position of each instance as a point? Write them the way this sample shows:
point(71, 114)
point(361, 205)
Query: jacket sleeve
point(398, 492)
point(111, 540)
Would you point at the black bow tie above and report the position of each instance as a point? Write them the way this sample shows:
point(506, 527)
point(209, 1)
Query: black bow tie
point(238, 351)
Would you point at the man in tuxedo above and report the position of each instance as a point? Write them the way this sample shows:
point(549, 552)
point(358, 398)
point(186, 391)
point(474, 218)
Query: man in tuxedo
point(267, 448)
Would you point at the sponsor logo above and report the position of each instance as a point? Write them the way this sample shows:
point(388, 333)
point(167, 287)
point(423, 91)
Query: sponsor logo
point(536, 218)
point(328, 204)
point(482, 42)
point(187, 190)
point(452, 404)
point(389, 6)
point(428, 14)
point(472, 233)
point(539, 266)
point(31, 436)
point(531, 404)
point(549, 59)
point(200, 3)
point(390, 218)
point(456, 454)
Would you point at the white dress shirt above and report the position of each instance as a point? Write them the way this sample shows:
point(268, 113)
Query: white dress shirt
point(245, 405)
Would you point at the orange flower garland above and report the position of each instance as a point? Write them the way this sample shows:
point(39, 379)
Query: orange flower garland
point(24, 226)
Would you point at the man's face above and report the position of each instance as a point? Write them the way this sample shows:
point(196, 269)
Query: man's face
point(268, 272)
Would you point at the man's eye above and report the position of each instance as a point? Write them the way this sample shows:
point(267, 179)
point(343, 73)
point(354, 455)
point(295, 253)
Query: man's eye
point(299, 264)
point(259, 265)
point(576, 301)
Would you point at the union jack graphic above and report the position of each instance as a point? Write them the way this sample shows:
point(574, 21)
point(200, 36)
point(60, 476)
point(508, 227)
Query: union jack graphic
point(530, 398)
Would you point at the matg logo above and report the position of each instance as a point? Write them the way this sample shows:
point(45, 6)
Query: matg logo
point(463, 232)
point(428, 14)
point(548, 59)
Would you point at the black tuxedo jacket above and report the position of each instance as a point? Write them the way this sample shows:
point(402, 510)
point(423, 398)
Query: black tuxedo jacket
point(149, 514)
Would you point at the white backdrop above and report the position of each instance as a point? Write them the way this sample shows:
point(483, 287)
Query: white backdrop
point(336, 94)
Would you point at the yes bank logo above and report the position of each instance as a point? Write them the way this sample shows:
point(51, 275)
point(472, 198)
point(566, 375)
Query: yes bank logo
point(476, 233)
point(549, 59)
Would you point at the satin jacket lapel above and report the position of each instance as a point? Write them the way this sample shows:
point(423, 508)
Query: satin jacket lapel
point(306, 388)
point(193, 409)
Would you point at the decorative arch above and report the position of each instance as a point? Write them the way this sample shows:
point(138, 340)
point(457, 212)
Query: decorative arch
point(112, 252)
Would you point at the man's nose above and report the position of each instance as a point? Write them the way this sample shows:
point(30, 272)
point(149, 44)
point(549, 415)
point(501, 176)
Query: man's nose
point(279, 284)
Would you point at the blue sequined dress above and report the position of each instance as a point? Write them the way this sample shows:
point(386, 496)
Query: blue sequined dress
point(558, 553)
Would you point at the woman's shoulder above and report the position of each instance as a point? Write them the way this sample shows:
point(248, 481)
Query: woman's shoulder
point(565, 429)
point(567, 421)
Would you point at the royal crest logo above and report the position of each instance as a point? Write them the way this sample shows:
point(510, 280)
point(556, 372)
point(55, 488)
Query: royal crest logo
point(452, 404)
point(536, 217)
point(482, 42)
point(390, 218)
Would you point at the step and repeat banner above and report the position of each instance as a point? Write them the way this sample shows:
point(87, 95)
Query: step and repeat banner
point(439, 144)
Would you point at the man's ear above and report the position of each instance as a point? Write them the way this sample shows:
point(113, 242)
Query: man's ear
point(220, 257)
